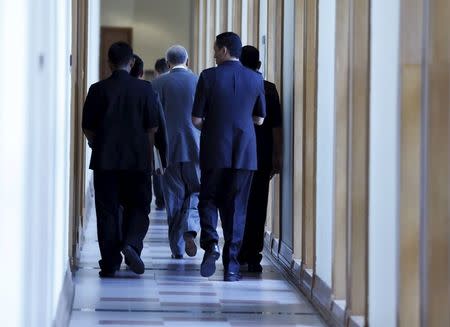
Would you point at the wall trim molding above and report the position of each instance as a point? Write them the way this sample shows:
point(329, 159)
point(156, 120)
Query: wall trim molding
point(332, 311)
point(65, 301)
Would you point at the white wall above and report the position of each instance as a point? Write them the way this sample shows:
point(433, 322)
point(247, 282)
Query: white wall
point(157, 24)
point(384, 163)
point(325, 139)
point(93, 63)
point(13, 138)
point(34, 160)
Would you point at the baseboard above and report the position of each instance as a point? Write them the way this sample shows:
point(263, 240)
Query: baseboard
point(312, 286)
point(65, 302)
point(356, 321)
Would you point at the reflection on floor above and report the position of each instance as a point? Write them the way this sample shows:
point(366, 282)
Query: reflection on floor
point(172, 292)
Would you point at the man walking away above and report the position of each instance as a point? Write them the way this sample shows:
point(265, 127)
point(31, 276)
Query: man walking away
point(229, 99)
point(120, 118)
point(161, 67)
point(269, 150)
point(181, 180)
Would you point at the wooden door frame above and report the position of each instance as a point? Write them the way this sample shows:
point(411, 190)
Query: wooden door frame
point(77, 142)
point(128, 30)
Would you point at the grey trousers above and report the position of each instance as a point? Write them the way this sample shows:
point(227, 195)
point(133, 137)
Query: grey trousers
point(181, 187)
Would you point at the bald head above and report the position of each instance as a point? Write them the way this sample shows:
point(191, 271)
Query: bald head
point(176, 55)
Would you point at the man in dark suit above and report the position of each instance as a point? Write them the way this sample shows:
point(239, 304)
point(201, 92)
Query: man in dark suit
point(161, 140)
point(161, 67)
point(269, 149)
point(120, 118)
point(229, 99)
point(181, 180)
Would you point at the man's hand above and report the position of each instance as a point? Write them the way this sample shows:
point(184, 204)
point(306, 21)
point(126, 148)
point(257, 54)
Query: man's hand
point(197, 122)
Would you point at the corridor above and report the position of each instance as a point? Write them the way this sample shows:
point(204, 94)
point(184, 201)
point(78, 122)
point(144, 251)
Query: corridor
point(358, 220)
point(172, 292)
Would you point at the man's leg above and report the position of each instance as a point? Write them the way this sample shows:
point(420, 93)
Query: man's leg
point(190, 173)
point(136, 197)
point(106, 185)
point(236, 185)
point(253, 241)
point(207, 209)
point(174, 194)
point(157, 188)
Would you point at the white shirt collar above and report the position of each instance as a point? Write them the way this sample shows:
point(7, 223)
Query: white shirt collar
point(180, 66)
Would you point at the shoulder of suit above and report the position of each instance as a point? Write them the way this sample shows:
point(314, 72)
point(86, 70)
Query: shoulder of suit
point(269, 84)
point(145, 84)
point(208, 71)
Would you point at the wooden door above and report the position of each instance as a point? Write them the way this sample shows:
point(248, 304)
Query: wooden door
point(108, 36)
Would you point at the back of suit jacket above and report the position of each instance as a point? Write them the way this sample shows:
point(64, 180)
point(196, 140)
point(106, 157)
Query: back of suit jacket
point(176, 90)
point(120, 110)
point(227, 97)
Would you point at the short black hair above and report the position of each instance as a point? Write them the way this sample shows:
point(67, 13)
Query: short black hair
point(231, 41)
point(120, 54)
point(250, 57)
point(138, 67)
point(161, 66)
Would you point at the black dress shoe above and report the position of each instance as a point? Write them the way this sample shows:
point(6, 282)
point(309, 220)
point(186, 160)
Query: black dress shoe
point(189, 244)
point(177, 256)
point(134, 260)
point(208, 266)
point(255, 268)
point(106, 274)
point(231, 276)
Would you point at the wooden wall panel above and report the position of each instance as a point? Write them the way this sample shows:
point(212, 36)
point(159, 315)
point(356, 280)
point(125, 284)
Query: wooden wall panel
point(359, 153)
point(299, 110)
point(210, 33)
point(410, 162)
point(310, 135)
point(341, 189)
point(77, 153)
point(437, 168)
point(274, 42)
point(194, 56)
point(237, 16)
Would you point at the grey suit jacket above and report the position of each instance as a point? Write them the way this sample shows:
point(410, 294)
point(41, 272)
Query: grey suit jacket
point(176, 91)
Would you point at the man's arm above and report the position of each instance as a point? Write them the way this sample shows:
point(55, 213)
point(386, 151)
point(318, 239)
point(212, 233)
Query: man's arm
point(277, 154)
point(259, 111)
point(161, 138)
point(200, 100)
point(91, 109)
point(273, 102)
point(151, 141)
point(90, 135)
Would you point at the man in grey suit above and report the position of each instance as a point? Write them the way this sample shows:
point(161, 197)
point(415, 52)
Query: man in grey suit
point(181, 180)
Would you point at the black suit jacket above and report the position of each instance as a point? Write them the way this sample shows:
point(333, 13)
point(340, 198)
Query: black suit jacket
point(121, 110)
point(264, 133)
point(161, 136)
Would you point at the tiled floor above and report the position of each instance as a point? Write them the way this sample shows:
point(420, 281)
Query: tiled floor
point(172, 292)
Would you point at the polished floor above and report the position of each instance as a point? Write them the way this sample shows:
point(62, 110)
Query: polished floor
point(172, 292)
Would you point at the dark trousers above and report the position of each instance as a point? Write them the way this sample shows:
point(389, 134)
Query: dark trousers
point(119, 192)
point(226, 191)
point(157, 188)
point(253, 242)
